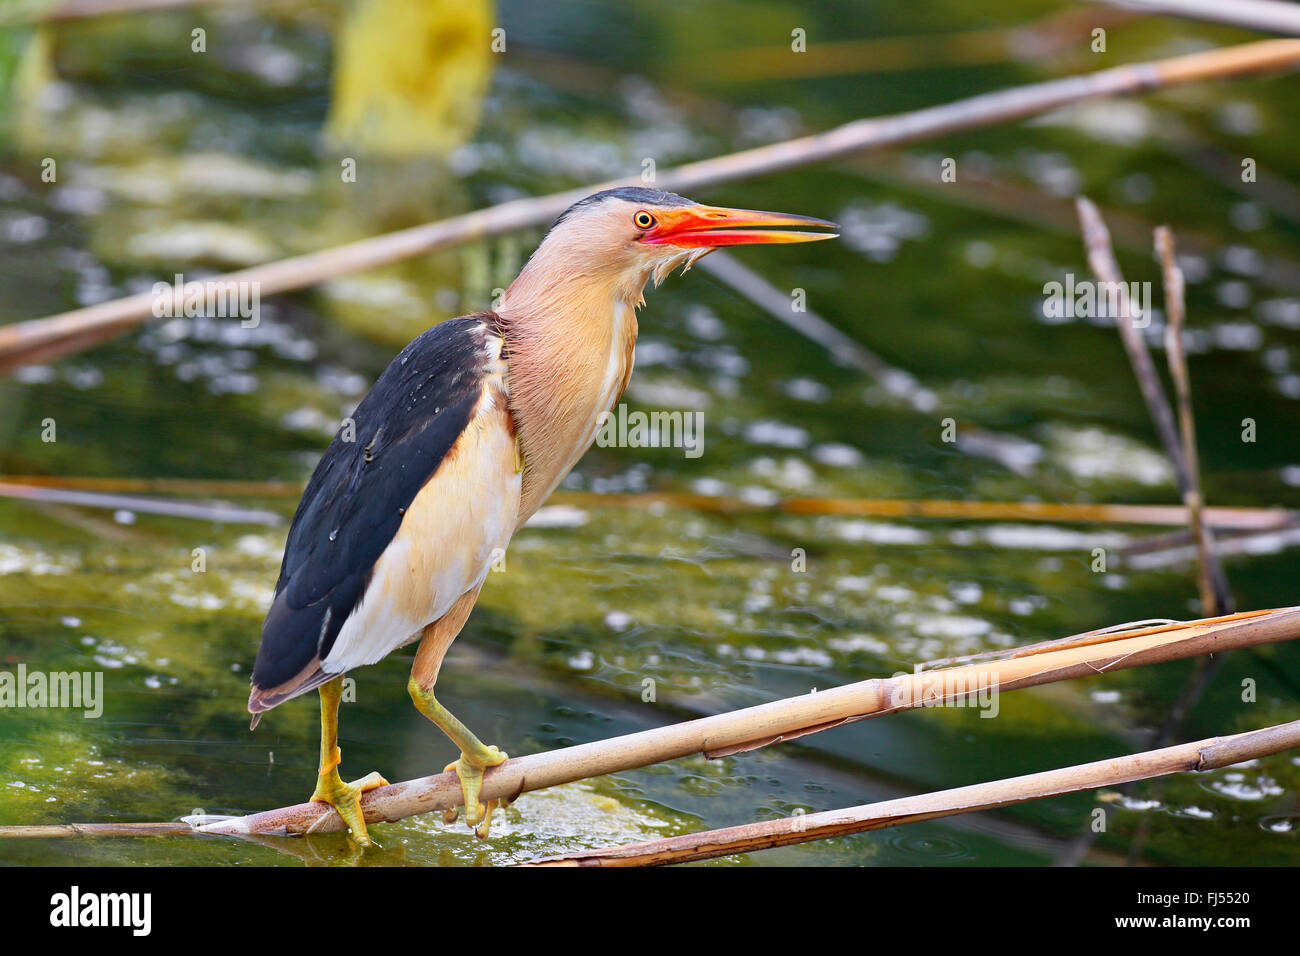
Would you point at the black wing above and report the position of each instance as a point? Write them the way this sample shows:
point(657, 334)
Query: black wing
point(357, 495)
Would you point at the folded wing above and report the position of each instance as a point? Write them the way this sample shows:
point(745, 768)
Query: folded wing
point(401, 516)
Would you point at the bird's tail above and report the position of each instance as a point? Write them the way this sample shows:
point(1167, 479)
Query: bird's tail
point(262, 699)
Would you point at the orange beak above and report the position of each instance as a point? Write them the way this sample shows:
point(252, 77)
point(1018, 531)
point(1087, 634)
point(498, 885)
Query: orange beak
point(712, 226)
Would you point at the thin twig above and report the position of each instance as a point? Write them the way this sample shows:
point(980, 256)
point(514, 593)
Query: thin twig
point(55, 830)
point(1167, 550)
point(47, 337)
point(1243, 519)
point(1215, 592)
point(1213, 601)
point(1209, 754)
point(199, 510)
point(1101, 258)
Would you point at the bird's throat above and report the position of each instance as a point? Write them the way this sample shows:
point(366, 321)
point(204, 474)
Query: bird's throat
point(568, 362)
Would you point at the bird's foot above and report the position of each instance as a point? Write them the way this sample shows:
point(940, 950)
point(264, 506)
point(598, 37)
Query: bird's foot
point(469, 768)
point(346, 799)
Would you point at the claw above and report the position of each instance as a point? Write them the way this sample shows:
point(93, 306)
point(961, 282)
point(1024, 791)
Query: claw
point(478, 816)
point(481, 831)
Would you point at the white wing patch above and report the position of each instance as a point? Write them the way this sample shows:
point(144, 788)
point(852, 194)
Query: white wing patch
point(445, 545)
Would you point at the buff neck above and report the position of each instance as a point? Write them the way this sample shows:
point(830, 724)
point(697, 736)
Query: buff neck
point(569, 348)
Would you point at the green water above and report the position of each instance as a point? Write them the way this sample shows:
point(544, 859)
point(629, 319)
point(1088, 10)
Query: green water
point(169, 162)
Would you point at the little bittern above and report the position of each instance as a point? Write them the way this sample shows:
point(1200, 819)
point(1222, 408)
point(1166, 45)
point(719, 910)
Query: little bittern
point(460, 440)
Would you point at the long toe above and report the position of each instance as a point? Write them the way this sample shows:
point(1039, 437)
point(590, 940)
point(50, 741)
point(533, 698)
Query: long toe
point(371, 781)
point(345, 798)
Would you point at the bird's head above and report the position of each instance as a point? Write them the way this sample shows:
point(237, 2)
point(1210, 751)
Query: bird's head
point(619, 239)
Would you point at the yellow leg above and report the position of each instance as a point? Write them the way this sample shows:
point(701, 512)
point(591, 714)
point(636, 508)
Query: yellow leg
point(475, 757)
point(330, 788)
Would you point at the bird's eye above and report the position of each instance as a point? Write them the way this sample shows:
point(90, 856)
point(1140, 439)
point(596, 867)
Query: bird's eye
point(643, 220)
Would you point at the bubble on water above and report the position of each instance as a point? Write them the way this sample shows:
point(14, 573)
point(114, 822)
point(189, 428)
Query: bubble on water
point(789, 472)
point(703, 324)
point(859, 642)
point(806, 390)
point(942, 625)
point(308, 418)
point(727, 362)
point(35, 374)
point(838, 456)
point(1238, 336)
point(1242, 260)
point(1242, 788)
point(618, 620)
point(712, 487)
point(1051, 538)
point(667, 395)
point(1248, 216)
point(855, 583)
point(980, 254)
point(14, 559)
point(584, 660)
point(1240, 118)
point(21, 228)
point(1022, 606)
point(879, 230)
point(558, 516)
point(1094, 454)
point(83, 377)
point(813, 656)
point(256, 544)
point(1137, 804)
point(1277, 358)
point(1288, 385)
point(1283, 312)
point(881, 532)
point(1233, 294)
point(651, 352)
